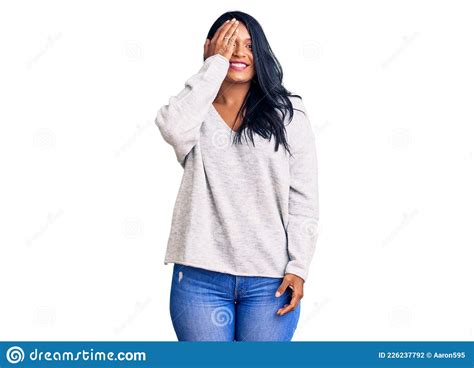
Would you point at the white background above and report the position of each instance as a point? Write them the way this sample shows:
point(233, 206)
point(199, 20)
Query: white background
point(88, 184)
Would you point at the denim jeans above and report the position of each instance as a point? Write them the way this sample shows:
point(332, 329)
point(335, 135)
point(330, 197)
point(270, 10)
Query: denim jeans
point(213, 306)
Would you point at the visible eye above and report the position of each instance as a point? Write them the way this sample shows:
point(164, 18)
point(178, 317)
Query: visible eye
point(249, 46)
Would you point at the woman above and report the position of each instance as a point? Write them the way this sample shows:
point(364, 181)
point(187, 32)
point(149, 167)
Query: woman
point(244, 224)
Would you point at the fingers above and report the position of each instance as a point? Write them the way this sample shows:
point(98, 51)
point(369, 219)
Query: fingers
point(231, 42)
point(296, 285)
point(295, 299)
point(284, 284)
point(228, 49)
point(223, 28)
point(225, 39)
point(219, 35)
point(230, 31)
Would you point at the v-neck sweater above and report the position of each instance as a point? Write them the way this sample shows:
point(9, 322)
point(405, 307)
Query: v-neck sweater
point(241, 209)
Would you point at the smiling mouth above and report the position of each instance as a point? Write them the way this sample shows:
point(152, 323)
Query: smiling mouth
point(238, 66)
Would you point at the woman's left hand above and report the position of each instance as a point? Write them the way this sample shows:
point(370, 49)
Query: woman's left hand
point(295, 283)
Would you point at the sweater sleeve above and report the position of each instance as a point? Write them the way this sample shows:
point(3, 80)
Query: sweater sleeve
point(303, 207)
point(180, 120)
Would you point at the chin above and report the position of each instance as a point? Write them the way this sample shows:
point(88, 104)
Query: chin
point(239, 79)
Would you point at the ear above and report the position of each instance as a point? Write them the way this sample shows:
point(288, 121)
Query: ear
point(206, 45)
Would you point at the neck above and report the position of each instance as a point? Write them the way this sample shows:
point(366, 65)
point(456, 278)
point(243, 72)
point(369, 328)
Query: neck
point(232, 94)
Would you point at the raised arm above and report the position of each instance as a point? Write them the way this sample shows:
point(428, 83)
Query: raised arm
point(180, 120)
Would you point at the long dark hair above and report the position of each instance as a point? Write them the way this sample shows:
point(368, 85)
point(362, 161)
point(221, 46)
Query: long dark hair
point(266, 103)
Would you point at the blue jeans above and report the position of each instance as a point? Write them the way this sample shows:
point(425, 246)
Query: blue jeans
point(213, 306)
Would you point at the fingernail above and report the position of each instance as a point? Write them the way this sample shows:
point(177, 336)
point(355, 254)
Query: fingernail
point(277, 294)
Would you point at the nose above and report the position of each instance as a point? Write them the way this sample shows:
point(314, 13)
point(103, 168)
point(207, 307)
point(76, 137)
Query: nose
point(238, 50)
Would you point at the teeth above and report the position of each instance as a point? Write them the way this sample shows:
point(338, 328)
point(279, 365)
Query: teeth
point(240, 65)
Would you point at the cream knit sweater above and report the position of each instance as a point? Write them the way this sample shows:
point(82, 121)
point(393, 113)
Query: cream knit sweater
point(240, 209)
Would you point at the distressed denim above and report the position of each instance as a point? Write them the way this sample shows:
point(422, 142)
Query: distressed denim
point(213, 306)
